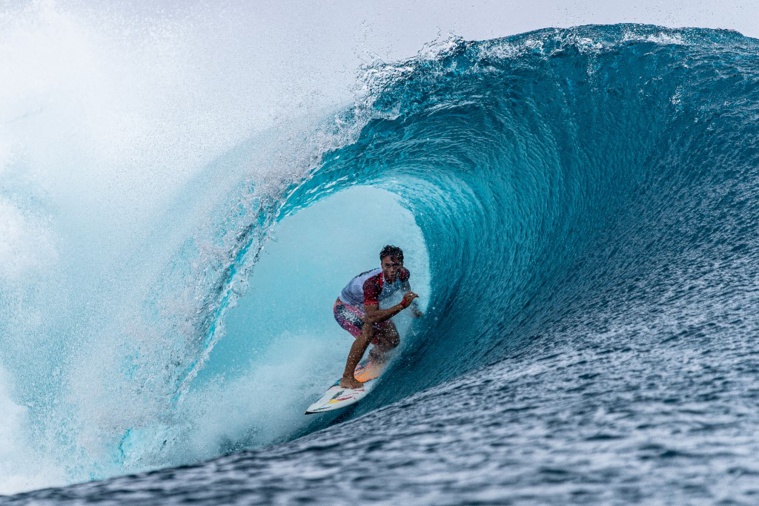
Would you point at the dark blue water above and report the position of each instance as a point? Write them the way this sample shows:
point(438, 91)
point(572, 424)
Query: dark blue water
point(588, 201)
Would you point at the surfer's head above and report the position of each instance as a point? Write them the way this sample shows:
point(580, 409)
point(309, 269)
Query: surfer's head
point(391, 260)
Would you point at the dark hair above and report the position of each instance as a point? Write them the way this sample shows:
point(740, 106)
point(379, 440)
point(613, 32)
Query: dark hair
point(392, 252)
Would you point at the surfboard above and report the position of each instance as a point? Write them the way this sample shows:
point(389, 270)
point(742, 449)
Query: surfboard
point(337, 397)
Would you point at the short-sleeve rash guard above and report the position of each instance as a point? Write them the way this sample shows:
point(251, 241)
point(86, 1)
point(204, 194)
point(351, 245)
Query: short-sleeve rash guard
point(370, 287)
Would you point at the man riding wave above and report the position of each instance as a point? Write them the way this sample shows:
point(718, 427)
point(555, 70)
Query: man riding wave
point(359, 303)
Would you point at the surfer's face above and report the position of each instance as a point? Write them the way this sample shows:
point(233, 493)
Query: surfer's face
point(390, 268)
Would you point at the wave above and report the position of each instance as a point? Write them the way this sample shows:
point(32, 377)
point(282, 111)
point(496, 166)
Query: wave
point(536, 181)
point(550, 171)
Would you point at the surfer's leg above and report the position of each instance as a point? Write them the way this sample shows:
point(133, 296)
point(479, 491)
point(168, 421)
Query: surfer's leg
point(386, 338)
point(354, 356)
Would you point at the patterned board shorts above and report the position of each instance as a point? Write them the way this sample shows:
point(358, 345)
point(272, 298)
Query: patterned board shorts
point(351, 319)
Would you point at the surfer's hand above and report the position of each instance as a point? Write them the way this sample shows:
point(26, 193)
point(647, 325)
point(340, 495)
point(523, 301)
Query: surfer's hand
point(417, 314)
point(407, 299)
point(350, 382)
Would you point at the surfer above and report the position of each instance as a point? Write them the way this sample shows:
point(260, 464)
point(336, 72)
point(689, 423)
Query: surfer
point(358, 304)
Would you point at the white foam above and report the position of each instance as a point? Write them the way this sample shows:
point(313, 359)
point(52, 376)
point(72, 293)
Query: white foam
point(266, 403)
point(26, 244)
point(22, 465)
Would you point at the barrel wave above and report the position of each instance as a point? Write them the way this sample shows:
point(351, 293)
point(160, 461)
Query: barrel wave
point(582, 206)
point(561, 175)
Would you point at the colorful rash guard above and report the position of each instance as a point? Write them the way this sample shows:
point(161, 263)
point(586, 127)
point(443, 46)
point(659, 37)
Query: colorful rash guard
point(370, 287)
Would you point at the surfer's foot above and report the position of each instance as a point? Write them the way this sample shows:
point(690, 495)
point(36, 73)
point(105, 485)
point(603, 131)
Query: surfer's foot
point(351, 383)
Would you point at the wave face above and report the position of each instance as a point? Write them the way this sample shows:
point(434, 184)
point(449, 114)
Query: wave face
point(583, 215)
point(566, 179)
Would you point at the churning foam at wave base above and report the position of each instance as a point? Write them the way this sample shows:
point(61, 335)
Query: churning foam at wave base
point(22, 465)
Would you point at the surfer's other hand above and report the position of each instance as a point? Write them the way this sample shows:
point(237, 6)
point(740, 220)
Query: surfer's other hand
point(408, 297)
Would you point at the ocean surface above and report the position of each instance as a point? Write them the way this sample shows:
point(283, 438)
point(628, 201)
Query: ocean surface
point(579, 213)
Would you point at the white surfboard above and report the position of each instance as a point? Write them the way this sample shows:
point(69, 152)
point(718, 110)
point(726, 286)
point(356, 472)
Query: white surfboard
point(337, 397)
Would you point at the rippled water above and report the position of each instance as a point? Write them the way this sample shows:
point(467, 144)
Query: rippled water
point(606, 418)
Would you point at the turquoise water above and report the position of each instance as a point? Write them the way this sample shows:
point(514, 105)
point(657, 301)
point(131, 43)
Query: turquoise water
point(578, 207)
